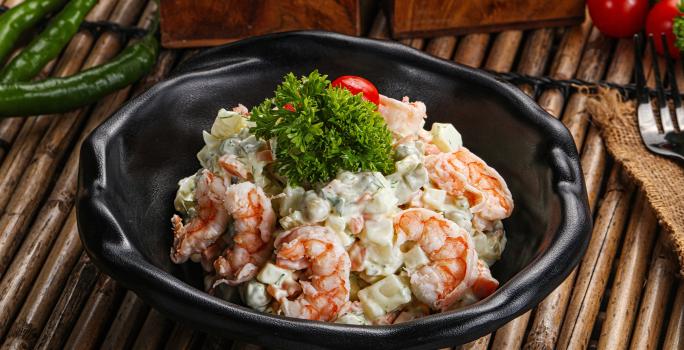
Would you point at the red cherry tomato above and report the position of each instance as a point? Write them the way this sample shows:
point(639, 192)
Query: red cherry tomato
point(289, 107)
point(618, 18)
point(358, 85)
point(659, 21)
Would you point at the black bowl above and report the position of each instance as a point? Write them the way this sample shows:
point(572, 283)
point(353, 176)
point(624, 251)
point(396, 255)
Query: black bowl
point(130, 166)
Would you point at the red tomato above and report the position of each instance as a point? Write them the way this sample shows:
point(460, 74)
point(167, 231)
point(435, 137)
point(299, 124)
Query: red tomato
point(358, 85)
point(659, 20)
point(289, 107)
point(618, 18)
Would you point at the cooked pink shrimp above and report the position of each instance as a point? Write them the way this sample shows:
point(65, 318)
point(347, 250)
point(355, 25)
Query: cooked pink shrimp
point(253, 224)
point(462, 173)
point(235, 167)
point(241, 109)
point(484, 284)
point(209, 223)
point(317, 251)
point(453, 260)
point(403, 118)
point(411, 312)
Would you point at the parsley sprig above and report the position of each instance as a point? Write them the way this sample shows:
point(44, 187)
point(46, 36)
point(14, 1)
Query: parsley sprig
point(330, 130)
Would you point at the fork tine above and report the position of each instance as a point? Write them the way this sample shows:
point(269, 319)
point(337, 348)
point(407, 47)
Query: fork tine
point(665, 118)
point(674, 88)
point(646, 117)
point(639, 78)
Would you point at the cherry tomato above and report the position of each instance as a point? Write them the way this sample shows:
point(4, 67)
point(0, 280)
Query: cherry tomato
point(618, 18)
point(659, 21)
point(289, 107)
point(358, 85)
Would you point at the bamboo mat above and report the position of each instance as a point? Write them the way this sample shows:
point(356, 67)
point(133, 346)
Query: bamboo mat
point(625, 293)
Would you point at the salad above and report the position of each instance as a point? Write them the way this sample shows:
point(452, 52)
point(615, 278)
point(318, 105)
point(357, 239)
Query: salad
point(331, 202)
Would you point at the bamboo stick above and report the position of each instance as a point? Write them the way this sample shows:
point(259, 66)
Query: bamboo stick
point(153, 331)
point(511, 335)
point(30, 189)
point(65, 313)
point(630, 276)
point(674, 338)
point(655, 297)
point(379, 28)
point(96, 315)
point(478, 344)
point(593, 272)
point(503, 51)
point(442, 47)
point(127, 323)
point(183, 338)
point(550, 312)
point(592, 67)
point(472, 49)
point(537, 48)
point(46, 289)
point(416, 43)
point(565, 64)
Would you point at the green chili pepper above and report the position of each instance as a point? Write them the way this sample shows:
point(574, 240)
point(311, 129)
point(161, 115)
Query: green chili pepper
point(20, 18)
point(48, 44)
point(57, 95)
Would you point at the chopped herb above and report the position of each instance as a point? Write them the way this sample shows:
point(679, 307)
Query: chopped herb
point(330, 130)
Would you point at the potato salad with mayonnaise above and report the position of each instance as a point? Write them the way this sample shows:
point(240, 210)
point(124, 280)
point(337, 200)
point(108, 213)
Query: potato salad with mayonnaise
point(332, 202)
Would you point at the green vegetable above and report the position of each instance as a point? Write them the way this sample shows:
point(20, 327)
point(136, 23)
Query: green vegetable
point(329, 131)
point(48, 44)
point(678, 28)
point(57, 95)
point(20, 18)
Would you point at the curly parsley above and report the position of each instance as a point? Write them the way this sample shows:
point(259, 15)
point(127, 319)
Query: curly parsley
point(329, 130)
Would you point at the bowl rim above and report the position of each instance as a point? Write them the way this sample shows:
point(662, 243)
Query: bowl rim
point(108, 248)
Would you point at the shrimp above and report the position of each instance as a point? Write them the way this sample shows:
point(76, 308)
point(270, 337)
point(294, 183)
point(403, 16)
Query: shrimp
point(241, 109)
point(402, 118)
point(253, 224)
point(209, 223)
point(462, 173)
point(235, 167)
point(317, 251)
point(484, 284)
point(452, 265)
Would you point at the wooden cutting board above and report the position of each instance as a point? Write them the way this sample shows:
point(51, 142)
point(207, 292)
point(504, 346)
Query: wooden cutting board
point(192, 23)
point(420, 18)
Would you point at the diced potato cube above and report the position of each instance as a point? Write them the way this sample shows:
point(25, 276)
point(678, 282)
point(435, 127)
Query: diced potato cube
point(434, 198)
point(256, 296)
point(445, 137)
point(227, 124)
point(384, 296)
point(335, 222)
point(383, 201)
point(271, 274)
point(407, 164)
point(379, 231)
point(415, 258)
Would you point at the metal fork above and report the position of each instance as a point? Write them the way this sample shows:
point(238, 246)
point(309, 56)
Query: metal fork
point(670, 140)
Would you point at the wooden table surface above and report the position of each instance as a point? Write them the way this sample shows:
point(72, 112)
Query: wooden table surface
point(625, 293)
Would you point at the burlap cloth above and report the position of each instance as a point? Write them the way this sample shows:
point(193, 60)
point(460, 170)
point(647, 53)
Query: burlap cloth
point(662, 179)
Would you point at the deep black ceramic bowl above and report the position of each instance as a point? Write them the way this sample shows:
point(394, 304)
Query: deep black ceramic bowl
point(130, 166)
